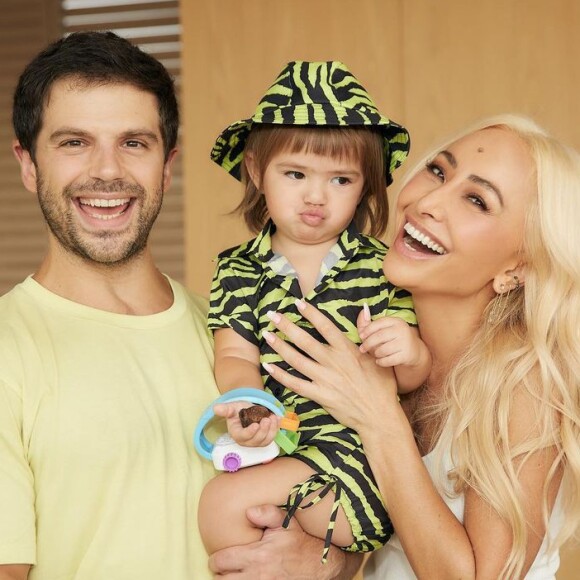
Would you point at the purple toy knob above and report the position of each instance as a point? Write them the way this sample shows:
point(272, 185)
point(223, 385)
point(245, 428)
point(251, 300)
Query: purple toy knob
point(231, 462)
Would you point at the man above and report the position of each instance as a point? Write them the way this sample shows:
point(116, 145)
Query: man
point(105, 363)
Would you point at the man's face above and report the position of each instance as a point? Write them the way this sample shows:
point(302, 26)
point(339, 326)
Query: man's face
point(99, 171)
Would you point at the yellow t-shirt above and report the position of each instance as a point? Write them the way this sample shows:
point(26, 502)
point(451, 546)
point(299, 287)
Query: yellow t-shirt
point(98, 475)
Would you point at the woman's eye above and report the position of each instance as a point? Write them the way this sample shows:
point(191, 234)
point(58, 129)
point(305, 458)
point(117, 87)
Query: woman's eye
point(477, 201)
point(339, 180)
point(436, 170)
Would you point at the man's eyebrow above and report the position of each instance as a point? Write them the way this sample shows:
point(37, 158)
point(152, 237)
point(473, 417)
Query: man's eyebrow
point(132, 134)
point(142, 133)
point(68, 132)
point(488, 185)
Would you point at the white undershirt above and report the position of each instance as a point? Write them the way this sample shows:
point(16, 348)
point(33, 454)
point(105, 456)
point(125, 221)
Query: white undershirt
point(390, 562)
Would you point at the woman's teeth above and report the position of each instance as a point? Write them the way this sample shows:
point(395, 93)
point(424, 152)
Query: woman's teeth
point(424, 239)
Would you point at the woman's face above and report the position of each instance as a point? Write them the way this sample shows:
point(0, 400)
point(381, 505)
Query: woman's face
point(460, 220)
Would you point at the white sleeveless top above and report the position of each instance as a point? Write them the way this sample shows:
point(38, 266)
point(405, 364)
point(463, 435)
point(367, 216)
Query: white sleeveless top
point(390, 562)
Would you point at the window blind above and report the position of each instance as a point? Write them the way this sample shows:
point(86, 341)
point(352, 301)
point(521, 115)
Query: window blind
point(25, 27)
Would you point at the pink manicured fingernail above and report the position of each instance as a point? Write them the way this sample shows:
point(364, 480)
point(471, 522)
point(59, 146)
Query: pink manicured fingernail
point(366, 312)
point(268, 337)
point(268, 367)
point(300, 304)
point(274, 316)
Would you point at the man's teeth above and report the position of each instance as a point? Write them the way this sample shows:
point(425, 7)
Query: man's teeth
point(108, 203)
point(423, 239)
point(106, 217)
point(104, 202)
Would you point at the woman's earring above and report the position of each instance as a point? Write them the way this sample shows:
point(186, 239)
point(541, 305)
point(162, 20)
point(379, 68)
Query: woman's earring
point(499, 304)
point(501, 300)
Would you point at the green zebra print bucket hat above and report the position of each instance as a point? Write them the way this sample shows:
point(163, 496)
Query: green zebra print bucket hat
point(324, 94)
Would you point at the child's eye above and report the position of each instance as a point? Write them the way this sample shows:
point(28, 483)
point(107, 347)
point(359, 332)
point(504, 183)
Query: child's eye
point(478, 201)
point(435, 170)
point(340, 180)
point(294, 174)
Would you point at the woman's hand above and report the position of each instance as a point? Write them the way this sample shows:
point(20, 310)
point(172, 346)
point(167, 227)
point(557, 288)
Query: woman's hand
point(346, 382)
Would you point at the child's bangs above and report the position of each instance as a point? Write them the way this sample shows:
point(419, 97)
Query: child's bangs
point(335, 142)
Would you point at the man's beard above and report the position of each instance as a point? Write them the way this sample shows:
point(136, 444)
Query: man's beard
point(110, 248)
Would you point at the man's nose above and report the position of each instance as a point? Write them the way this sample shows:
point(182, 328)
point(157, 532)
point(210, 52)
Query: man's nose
point(106, 163)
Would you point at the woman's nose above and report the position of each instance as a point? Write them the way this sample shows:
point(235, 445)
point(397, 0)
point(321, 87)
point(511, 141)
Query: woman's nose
point(434, 202)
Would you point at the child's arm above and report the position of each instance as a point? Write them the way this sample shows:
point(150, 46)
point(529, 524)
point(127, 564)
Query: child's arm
point(396, 344)
point(414, 373)
point(237, 361)
point(237, 364)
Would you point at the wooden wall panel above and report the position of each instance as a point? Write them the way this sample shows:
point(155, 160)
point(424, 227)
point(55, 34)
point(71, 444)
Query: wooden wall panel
point(464, 59)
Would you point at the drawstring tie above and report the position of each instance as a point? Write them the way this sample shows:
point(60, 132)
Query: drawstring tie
point(319, 481)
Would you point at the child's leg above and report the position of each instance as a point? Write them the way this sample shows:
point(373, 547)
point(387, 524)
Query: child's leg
point(225, 499)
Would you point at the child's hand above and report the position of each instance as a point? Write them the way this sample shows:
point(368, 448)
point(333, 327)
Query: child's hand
point(254, 435)
point(390, 340)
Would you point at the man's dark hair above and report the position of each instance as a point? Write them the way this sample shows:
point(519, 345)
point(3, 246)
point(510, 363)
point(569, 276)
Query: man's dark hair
point(94, 58)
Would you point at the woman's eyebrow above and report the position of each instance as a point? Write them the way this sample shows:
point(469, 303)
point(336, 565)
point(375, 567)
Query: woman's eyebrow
point(475, 178)
point(450, 158)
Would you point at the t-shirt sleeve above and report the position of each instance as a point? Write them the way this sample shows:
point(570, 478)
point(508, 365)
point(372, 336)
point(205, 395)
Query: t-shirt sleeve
point(17, 514)
point(233, 300)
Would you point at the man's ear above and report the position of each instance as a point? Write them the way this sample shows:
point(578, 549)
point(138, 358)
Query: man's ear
point(252, 169)
point(167, 169)
point(510, 279)
point(28, 172)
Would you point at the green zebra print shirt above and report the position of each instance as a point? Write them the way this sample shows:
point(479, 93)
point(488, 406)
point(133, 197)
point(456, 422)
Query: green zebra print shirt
point(251, 279)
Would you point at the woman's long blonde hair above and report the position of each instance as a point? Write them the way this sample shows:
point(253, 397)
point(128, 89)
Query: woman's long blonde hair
point(533, 347)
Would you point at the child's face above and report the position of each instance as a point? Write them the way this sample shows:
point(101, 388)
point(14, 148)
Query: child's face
point(311, 198)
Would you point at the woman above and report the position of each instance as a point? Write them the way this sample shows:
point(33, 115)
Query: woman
point(481, 466)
